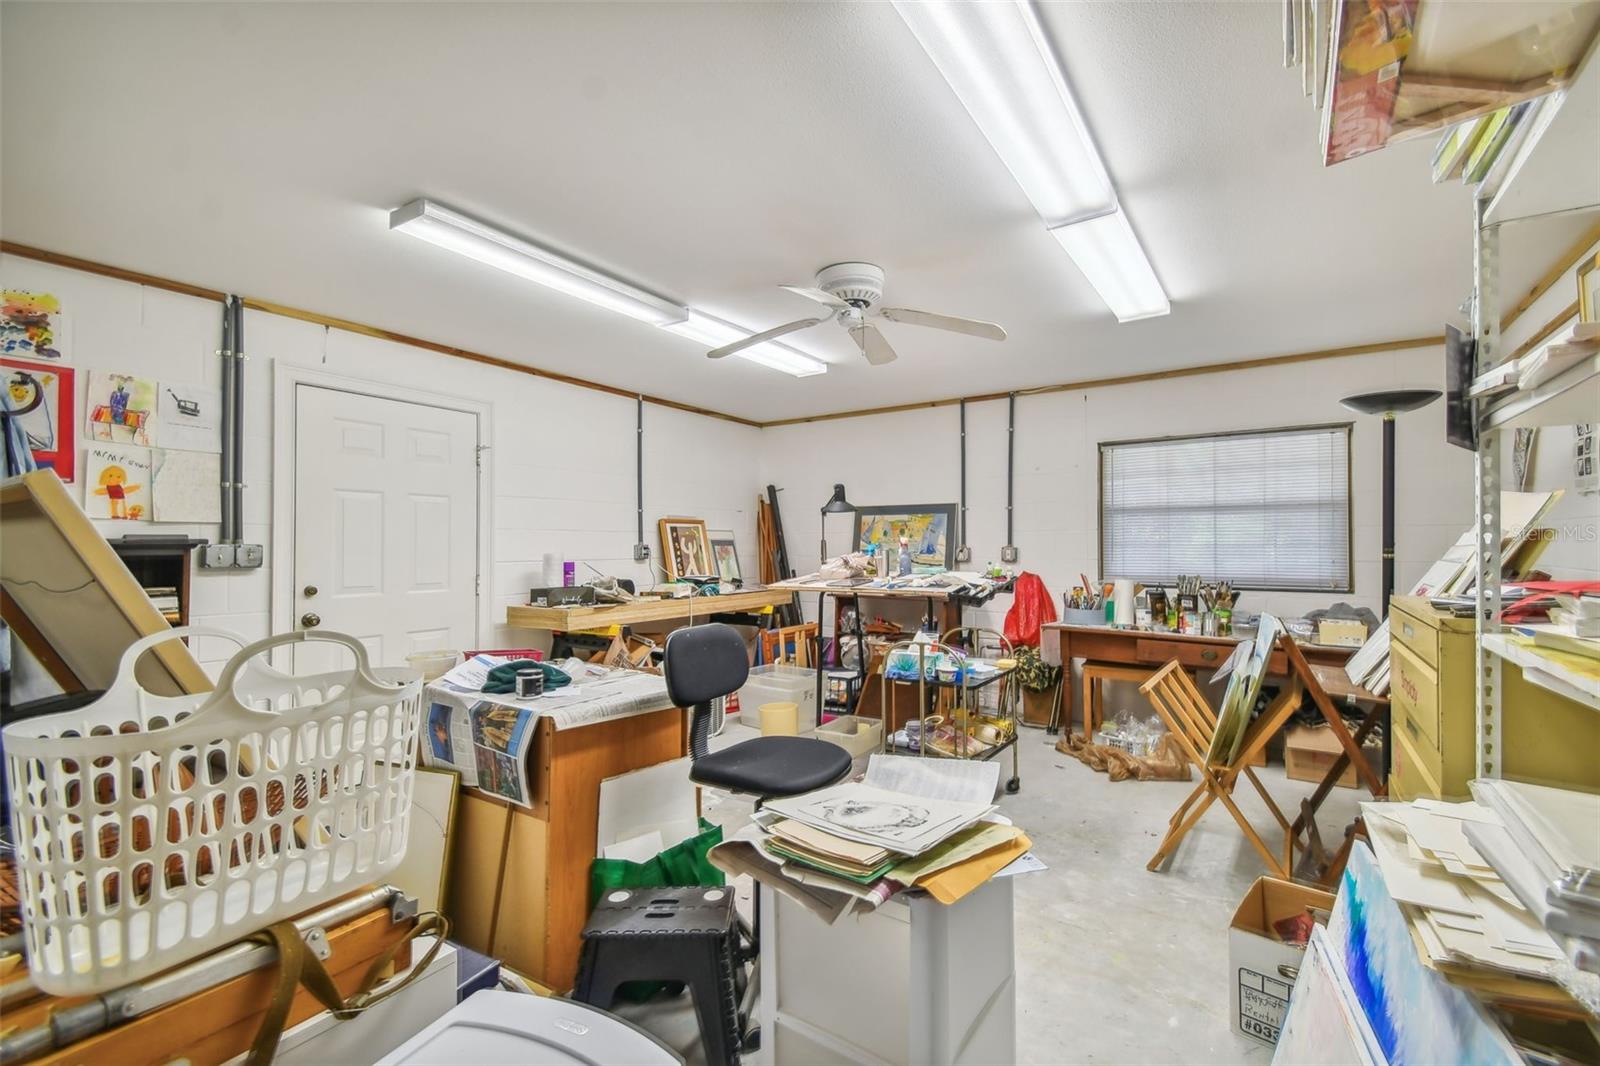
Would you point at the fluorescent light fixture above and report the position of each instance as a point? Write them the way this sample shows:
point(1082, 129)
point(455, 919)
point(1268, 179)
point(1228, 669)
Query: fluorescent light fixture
point(1000, 63)
point(466, 236)
point(1108, 252)
point(713, 332)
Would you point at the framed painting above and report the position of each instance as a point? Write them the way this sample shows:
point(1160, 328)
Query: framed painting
point(685, 548)
point(725, 555)
point(1589, 289)
point(930, 528)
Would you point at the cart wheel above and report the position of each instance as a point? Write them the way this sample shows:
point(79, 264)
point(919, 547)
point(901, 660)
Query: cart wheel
point(1014, 786)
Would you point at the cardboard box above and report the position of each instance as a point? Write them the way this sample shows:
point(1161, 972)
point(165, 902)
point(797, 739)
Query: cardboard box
point(854, 734)
point(1308, 752)
point(1261, 966)
point(1342, 632)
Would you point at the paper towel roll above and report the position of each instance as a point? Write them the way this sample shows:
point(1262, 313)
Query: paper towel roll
point(780, 719)
point(552, 570)
point(1122, 602)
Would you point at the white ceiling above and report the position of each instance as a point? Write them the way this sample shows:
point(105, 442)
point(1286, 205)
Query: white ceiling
point(710, 152)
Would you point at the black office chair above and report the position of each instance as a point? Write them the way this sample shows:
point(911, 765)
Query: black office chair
point(705, 662)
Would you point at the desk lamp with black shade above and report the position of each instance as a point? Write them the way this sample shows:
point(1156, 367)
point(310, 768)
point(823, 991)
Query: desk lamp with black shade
point(1389, 403)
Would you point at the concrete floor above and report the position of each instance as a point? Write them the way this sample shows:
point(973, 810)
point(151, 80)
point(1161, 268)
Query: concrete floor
point(1114, 963)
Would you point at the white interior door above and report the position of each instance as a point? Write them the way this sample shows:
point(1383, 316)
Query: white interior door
point(385, 525)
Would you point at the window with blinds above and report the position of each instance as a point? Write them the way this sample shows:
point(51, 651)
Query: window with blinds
point(1268, 509)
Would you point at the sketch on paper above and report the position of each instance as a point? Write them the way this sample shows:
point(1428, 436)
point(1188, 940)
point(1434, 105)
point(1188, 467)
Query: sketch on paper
point(41, 398)
point(122, 408)
point(119, 483)
point(1585, 474)
point(190, 417)
point(31, 324)
point(186, 486)
point(870, 816)
point(928, 529)
point(724, 556)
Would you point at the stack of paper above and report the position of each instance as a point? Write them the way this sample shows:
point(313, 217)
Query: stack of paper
point(1565, 349)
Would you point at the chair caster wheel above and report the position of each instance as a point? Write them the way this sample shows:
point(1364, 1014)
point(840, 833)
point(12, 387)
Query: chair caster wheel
point(1014, 786)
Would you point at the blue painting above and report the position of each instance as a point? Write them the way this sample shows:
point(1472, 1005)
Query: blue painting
point(1416, 1016)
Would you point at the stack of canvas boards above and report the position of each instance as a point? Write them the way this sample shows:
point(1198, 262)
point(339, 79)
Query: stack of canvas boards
point(1467, 919)
point(1454, 575)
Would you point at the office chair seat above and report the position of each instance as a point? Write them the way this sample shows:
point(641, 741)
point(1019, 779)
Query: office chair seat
point(772, 767)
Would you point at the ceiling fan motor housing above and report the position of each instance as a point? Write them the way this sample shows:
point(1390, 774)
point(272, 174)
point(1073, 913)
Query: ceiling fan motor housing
point(858, 284)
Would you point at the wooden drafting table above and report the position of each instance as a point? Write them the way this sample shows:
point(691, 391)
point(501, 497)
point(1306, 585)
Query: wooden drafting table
point(1151, 649)
point(644, 610)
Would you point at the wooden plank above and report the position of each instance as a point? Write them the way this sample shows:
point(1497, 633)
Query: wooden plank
point(214, 1025)
point(654, 609)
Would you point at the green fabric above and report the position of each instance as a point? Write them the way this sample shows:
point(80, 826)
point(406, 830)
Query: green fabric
point(502, 680)
point(684, 865)
point(1034, 673)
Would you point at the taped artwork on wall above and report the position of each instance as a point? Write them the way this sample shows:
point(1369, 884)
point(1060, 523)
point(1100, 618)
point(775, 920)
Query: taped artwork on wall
point(186, 486)
point(118, 483)
point(122, 408)
point(31, 324)
point(190, 417)
point(42, 399)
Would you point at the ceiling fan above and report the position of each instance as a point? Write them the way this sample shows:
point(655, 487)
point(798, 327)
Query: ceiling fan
point(852, 293)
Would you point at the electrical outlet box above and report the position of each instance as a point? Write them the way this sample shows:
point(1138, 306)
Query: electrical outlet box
point(641, 553)
point(248, 556)
point(1009, 554)
point(217, 556)
point(963, 554)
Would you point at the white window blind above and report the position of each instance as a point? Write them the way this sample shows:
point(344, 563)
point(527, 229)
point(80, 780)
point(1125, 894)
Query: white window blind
point(1264, 510)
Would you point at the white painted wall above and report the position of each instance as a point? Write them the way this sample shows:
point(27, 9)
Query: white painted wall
point(912, 457)
point(562, 461)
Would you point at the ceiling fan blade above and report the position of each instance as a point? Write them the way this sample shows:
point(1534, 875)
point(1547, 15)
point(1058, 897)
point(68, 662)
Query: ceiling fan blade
point(826, 298)
point(970, 326)
point(766, 335)
point(872, 344)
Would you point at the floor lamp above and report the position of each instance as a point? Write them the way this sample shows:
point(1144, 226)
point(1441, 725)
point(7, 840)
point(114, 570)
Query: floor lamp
point(1388, 404)
point(836, 504)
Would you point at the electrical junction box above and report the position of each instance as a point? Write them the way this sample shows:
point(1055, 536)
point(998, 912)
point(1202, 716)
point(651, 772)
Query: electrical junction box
point(248, 556)
point(963, 554)
point(217, 556)
point(641, 553)
point(1009, 554)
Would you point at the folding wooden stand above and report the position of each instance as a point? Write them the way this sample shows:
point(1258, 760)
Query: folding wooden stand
point(1186, 713)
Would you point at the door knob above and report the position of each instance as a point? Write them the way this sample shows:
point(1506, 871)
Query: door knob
point(310, 621)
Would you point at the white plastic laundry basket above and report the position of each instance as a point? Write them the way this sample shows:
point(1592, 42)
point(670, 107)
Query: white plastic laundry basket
point(153, 829)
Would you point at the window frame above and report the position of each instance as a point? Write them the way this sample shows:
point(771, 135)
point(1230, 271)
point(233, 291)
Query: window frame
point(1349, 584)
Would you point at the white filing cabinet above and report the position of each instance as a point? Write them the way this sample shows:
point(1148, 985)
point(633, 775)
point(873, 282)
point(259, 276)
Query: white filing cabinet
point(913, 982)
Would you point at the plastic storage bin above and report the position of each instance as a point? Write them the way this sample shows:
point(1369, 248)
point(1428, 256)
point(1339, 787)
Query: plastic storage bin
point(153, 829)
point(780, 683)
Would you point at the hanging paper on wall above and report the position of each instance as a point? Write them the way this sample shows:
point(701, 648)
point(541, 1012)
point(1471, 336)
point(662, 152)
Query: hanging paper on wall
point(122, 408)
point(31, 324)
point(186, 486)
point(117, 483)
point(42, 399)
point(189, 417)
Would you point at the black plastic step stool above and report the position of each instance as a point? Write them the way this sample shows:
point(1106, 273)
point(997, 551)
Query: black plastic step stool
point(668, 934)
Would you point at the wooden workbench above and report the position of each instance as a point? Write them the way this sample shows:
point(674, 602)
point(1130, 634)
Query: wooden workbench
point(643, 610)
point(1154, 649)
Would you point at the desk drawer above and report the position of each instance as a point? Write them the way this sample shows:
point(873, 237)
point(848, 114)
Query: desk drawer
point(1412, 774)
point(1189, 653)
point(1420, 639)
point(1414, 692)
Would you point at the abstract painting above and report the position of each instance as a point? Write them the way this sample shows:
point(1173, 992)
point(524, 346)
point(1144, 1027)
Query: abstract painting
point(1324, 1026)
point(122, 408)
point(31, 324)
point(685, 548)
point(118, 483)
point(190, 417)
point(1416, 1016)
point(42, 400)
point(928, 528)
point(186, 486)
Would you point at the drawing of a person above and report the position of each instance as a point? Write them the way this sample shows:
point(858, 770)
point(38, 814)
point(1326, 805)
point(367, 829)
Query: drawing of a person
point(119, 404)
point(114, 486)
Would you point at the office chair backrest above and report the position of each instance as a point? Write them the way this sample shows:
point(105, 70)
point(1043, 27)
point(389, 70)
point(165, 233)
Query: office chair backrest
point(702, 663)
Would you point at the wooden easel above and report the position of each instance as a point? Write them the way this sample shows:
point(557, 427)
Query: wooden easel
point(1186, 713)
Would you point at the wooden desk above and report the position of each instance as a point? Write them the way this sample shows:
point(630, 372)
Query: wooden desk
point(1147, 648)
point(644, 610)
point(519, 878)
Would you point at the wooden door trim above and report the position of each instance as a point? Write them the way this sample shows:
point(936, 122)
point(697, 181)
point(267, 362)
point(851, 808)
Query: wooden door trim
point(286, 380)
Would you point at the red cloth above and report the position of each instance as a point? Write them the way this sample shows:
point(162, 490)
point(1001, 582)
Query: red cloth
point(1031, 607)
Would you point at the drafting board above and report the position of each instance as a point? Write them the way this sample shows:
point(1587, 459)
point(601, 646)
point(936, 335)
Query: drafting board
point(48, 546)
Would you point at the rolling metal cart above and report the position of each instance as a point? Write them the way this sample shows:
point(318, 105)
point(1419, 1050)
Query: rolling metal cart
point(953, 720)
